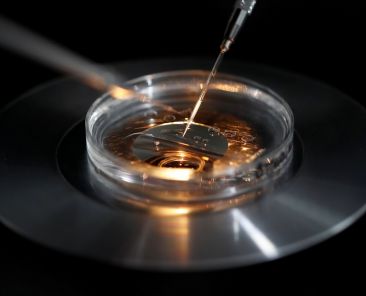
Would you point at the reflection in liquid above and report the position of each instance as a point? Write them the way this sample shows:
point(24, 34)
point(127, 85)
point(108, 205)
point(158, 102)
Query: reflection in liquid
point(230, 87)
point(256, 235)
point(152, 142)
point(170, 211)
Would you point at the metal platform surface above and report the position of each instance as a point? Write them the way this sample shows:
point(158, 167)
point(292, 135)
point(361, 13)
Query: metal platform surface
point(44, 194)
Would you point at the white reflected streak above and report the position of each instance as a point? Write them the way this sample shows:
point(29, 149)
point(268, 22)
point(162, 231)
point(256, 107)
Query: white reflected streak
point(236, 229)
point(257, 236)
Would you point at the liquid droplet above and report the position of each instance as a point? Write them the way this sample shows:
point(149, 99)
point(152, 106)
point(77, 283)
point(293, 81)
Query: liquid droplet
point(151, 114)
point(169, 118)
point(229, 133)
point(212, 131)
point(243, 140)
point(197, 139)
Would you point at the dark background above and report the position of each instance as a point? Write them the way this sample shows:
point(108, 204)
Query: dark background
point(320, 39)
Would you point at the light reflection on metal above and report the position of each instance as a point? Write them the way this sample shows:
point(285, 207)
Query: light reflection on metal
point(185, 209)
point(256, 235)
point(177, 231)
point(236, 230)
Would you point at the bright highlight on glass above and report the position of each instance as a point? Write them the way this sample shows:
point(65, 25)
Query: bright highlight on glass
point(241, 140)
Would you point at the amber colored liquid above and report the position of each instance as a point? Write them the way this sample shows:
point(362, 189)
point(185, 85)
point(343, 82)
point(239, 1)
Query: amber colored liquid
point(243, 142)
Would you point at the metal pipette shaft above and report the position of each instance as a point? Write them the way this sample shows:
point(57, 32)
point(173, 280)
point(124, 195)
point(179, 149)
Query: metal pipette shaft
point(204, 91)
point(242, 9)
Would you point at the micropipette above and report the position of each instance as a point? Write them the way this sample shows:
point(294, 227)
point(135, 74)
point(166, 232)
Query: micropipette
point(242, 9)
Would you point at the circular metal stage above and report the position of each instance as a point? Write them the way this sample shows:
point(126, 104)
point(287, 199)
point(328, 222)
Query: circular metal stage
point(46, 194)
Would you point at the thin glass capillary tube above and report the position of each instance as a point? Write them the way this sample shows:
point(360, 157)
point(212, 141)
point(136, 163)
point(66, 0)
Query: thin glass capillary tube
point(204, 90)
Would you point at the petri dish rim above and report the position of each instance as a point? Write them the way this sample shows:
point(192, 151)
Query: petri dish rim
point(99, 155)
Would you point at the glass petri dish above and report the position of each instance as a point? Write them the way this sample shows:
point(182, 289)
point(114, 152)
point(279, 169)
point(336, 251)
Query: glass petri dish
point(239, 146)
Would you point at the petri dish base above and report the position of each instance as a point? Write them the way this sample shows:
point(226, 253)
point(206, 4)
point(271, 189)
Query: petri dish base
point(239, 146)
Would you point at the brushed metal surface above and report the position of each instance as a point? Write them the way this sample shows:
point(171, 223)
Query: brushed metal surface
point(326, 195)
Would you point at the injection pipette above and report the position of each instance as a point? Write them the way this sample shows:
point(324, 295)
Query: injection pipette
point(242, 9)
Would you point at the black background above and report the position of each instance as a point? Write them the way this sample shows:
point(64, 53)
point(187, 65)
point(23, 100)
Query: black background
point(321, 39)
